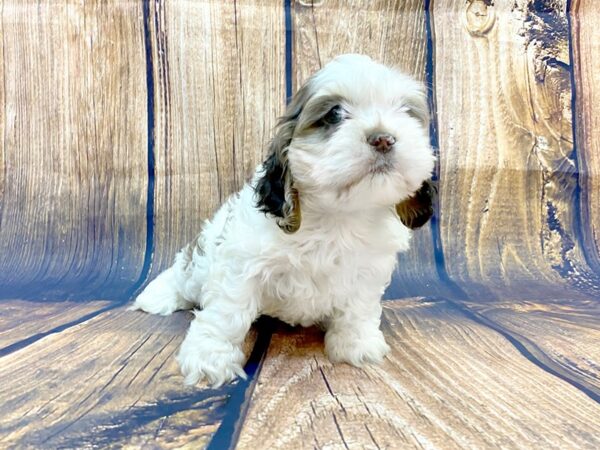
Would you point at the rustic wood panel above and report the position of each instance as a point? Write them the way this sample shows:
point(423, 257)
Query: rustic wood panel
point(219, 70)
point(585, 22)
point(393, 32)
point(449, 382)
point(508, 173)
point(73, 185)
point(110, 381)
point(20, 319)
point(73, 150)
point(564, 336)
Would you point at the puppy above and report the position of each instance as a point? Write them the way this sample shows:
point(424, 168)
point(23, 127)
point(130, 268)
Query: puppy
point(313, 237)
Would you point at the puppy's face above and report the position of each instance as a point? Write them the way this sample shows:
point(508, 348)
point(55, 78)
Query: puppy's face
point(362, 135)
point(355, 136)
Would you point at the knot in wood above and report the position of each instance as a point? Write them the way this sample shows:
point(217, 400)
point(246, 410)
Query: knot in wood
point(480, 17)
point(311, 2)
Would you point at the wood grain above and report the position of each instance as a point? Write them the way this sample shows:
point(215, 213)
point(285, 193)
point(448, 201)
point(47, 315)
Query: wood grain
point(585, 22)
point(73, 148)
point(20, 319)
point(515, 194)
point(219, 87)
point(564, 336)
point(112, 381)
point(394, 33)
point(449, 382)
point(508, 172)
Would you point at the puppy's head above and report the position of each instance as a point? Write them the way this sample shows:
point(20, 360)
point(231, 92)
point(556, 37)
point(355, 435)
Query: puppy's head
point(354, 137)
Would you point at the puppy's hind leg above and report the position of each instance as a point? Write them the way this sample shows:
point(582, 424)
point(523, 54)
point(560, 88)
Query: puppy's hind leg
point(162, 295)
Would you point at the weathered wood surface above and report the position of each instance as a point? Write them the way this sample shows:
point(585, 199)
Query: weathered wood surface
point(112, 380)
point(564, 336)
point(81, 118)
point(393, 32)
point(73, 154)
point(21, 319)
point(219, 83)
point(585, 20)
point(509, 184)
point(449, 382)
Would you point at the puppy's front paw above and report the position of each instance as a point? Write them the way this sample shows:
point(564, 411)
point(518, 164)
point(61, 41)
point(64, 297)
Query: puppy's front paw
point(345, 346)
point(203, 356)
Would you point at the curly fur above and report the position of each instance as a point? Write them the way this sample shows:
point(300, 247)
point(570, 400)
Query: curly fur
point(312, 239)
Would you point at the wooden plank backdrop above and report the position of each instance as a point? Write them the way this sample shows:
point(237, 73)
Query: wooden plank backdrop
point(450, 382)
point(125, 124)
point(106, 383)
point(509, 178)
point(219, 71)
point(74, 156)
point(20, 319)
point(563, 336)
point(585, 19)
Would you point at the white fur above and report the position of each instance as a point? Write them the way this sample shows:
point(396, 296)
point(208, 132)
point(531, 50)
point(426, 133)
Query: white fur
point(335, 268)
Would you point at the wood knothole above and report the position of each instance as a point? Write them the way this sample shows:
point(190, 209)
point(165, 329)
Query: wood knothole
point(311, 2)
point(480, 17)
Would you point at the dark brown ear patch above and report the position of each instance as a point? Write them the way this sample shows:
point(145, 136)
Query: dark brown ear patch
point(270, 189)
point(415, 211)
point(275, 192)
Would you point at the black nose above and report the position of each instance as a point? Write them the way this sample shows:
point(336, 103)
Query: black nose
point(381, 142)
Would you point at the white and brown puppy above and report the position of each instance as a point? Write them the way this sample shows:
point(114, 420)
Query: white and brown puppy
point(313, 238)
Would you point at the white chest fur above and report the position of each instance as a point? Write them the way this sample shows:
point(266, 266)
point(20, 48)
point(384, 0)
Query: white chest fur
point(316, 272)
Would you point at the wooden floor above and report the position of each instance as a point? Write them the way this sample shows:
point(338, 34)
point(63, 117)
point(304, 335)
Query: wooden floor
point(516, 375)
point(450, 382)
point(124, 124)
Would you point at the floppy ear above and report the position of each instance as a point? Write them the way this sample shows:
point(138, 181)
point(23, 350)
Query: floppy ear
point(275, 191)
point(415, 211)
point(418, 106)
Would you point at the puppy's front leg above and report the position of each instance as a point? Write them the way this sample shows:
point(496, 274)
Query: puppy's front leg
point(212, 347)
point(353, 335)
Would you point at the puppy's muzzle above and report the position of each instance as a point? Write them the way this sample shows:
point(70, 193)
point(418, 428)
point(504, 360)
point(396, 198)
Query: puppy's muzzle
point(381, 142)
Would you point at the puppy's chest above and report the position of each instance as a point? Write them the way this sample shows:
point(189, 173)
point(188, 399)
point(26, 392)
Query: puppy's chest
point(306, 282)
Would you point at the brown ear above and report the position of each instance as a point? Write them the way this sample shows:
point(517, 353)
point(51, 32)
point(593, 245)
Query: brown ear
point(275, 191)
point(415, 211)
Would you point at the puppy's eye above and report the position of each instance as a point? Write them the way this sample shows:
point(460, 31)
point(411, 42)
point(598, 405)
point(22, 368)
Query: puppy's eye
point(334, 116)
point(413, 112)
